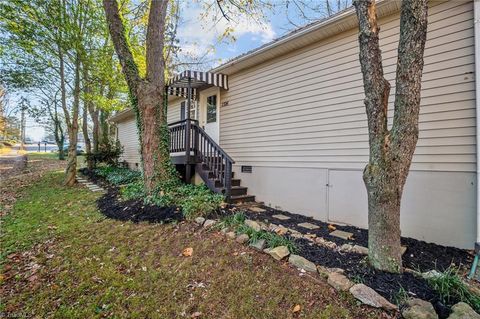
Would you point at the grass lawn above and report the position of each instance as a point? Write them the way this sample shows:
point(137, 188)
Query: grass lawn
point(62, 259)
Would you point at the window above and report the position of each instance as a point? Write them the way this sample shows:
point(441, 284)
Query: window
point(212, 109)
point(182, 111)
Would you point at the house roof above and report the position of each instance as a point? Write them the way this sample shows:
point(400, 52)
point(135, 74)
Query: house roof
point(303, 36)
point(298, 38)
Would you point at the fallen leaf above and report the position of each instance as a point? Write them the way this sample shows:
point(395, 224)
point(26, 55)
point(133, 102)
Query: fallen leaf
point(331, 227)
point(196, 314)
point(187, 252)
point(296, 308)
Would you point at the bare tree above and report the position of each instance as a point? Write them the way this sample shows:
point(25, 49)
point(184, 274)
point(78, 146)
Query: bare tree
point(391, 150)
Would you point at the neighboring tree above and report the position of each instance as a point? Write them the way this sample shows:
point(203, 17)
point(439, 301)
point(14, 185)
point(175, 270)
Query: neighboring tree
point(147, 93)
point(391, 150)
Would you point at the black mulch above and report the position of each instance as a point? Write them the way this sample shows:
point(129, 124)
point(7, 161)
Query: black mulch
point(133, 210)
point(420, 256)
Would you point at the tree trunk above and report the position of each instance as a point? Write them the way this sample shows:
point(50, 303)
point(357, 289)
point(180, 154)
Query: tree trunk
point(391, 151)
point(147, 94)
point(71, 170)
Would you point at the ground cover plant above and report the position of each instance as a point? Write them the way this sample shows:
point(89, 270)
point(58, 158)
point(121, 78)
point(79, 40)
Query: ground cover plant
point(193, 200)
point(72, 262)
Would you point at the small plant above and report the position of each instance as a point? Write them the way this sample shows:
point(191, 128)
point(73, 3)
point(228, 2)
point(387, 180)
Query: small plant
point(133, 190)
point(400, 297)
point(452, 289)
point(232, 221)
point(195, 201)
point(272, 240)
point(118, 175)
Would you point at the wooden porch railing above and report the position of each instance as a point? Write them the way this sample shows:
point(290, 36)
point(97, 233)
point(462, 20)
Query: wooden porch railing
point(187, 136)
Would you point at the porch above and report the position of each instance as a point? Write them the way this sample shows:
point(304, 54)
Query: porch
point(192, 149)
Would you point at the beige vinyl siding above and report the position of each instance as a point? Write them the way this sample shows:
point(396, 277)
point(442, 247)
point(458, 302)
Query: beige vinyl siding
point(305, 109)
point(173, 110)
point(128, 138)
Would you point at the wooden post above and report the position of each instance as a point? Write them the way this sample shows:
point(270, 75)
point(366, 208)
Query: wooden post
point(188, 172)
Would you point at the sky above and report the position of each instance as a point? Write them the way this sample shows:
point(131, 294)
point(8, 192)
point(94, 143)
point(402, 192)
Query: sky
point(199, 36)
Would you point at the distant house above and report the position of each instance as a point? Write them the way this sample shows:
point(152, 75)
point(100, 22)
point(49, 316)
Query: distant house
point(289, 117)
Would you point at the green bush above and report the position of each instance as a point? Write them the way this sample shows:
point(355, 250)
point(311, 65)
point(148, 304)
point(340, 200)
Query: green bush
point(452, 289)
point(118, 175)
point(108, 154)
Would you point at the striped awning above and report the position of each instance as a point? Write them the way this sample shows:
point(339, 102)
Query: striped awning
point(178, 85)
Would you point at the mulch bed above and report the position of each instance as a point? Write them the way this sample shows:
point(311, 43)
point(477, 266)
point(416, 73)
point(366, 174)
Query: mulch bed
point(136, 211)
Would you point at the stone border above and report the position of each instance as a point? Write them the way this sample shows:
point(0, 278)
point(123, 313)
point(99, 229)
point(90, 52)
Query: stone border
point(91, 186)
point(413, 308)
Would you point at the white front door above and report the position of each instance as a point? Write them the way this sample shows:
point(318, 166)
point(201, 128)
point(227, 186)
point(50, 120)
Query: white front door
point(210, 115)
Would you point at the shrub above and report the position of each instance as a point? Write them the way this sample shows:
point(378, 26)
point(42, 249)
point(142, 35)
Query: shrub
point(118, 175)
point(452, 289)
point(233, 221)
point(108, 155)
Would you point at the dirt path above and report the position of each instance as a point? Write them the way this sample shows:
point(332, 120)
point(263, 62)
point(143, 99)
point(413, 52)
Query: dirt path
point(12, 163)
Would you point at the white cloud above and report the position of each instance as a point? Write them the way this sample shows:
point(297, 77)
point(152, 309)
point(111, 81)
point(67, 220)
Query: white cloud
point(198, 31)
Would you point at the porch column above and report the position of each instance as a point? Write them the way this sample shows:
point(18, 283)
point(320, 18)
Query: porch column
point(188, 172)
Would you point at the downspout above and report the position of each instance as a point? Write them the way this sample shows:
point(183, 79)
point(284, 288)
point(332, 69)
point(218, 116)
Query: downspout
point(476, 26)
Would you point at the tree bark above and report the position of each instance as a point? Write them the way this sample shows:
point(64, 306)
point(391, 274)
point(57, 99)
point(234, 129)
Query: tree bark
point(72, 124)
point(391, 151)
point(147, 94)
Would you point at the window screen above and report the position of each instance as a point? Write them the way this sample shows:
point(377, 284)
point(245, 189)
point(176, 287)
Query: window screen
point(212, 109)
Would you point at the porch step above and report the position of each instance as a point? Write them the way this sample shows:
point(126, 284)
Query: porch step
point(238, 190)
point(237, 199)
point(235, 182)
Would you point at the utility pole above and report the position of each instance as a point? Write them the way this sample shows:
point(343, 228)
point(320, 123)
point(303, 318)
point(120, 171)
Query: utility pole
point(22, 129)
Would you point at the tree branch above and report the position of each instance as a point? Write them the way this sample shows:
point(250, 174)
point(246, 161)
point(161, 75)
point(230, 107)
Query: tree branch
point(122, 47)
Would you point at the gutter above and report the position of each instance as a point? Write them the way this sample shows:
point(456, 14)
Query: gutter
point(476, 26)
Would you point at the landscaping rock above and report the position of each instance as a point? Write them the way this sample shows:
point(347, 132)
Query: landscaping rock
point(345, 248)
point(281, 217)
point(325, 243)
point(279, 252)
point(359, 250)
point(419, 309)
point(302, 263)
point(200, 220)
point(253, 224)
point(259, 244)
point(370, 297)
point(325, 271)
point(339, 281)
point(231, 235)
point(209, 223)
point(280, 230)
point(310, 237)
point(463, 311)
point(309, 226)
point(242, 238)
point(257, 209)
point(342, 234)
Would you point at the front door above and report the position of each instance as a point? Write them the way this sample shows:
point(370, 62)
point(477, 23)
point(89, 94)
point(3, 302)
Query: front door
point(209, 102)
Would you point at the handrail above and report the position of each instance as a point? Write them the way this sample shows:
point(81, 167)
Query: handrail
point(182, 121)
point(189, 136)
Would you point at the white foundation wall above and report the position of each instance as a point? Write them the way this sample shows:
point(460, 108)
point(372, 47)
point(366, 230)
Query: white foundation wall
point(436, 207)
